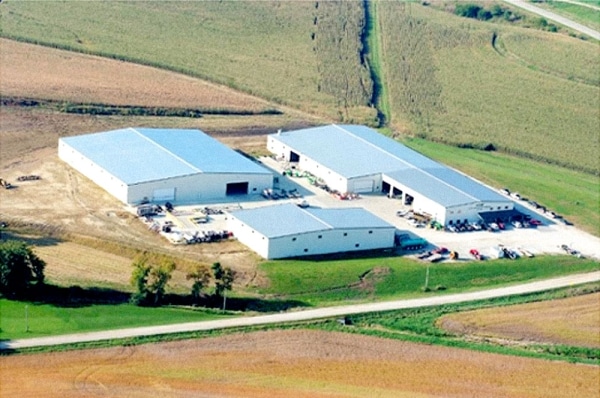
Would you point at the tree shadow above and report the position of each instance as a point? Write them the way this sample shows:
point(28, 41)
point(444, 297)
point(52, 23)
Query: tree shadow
point(78, 297)
point(75, 296)
point(30, 240)
point(251, 304)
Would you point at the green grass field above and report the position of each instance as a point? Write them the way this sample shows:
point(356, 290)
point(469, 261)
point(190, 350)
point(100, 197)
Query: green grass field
point(312, 282)
point(334, 281)
point(536, 95)
point(48, 320)
point(573, 194)
point(584, 15)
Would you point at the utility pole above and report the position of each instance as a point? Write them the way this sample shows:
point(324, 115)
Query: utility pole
point(427, 278)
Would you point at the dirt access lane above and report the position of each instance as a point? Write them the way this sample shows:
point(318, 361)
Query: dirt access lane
point(304, 315)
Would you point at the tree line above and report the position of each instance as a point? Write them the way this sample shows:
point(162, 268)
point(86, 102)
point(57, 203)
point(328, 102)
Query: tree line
point(22, 271)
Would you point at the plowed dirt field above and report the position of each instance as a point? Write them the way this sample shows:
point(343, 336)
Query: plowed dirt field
point(571, 321)
point(47, 73)
point(291, 364)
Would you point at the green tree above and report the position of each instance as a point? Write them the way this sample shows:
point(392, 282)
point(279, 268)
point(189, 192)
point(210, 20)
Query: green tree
point(200, 275)
point(150, 280)
point(224, 277)
point(139, 279)
point(20, 268)
point(160, 275)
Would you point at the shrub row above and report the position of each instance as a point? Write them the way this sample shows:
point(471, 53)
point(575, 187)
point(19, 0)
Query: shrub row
point(129, 110)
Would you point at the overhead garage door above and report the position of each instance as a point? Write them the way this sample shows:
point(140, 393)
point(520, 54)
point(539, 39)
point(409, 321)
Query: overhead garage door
point(163, 195)
point(237, 188)
point(363, 186)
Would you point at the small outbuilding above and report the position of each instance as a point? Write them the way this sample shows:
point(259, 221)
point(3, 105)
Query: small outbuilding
point(138, 165)
point(287, 230)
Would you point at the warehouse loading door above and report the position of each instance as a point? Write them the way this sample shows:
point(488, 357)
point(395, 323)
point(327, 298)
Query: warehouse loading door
point(163, 195)
point(237, 188)
point(363, 186)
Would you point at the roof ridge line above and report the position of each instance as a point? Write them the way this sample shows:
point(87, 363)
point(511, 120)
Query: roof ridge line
point(407, 163)
point(318, 219)
point(135, 129)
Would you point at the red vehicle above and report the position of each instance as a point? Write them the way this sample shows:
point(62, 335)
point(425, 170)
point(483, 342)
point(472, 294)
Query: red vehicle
point(440, 250)
point(475, 253)
point(501, 225)
point(533, 221)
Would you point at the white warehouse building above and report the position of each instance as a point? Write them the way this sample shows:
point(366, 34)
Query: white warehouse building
point(352, 158)
point(138, 165)
point(287, 230)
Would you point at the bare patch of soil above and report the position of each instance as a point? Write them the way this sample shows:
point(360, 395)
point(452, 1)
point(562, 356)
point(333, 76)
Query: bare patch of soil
point(47, 73)
point(571, 321)
point(291, 363)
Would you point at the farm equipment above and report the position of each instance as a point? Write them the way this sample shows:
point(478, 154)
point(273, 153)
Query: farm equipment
point(30, 177)
point(525, 252)
point(436, 225)
point(513, 255)
point(405, 242)
point(5, 184)
point(569, 250)
point(476, 255)
point(147, 210)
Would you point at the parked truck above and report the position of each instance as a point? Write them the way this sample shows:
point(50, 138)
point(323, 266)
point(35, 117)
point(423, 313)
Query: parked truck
point(405, 242)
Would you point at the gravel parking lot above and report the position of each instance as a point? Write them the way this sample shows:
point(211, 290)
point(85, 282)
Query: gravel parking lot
point(546, 238)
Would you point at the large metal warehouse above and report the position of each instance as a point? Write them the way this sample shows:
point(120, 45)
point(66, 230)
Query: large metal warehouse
point(136, 165)
point(352, 158)
point(287, 230)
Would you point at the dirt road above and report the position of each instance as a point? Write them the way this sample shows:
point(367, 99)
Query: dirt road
point(304, 315)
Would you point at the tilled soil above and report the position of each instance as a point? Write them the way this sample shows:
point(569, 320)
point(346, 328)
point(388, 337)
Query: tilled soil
point(571, 321)
point(291, 364)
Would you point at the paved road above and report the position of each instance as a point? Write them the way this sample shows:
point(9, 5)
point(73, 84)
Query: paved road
point(555, 17)
point(304, 315)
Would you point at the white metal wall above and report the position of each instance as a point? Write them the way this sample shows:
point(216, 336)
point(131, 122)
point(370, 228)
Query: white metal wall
point(91, 170)
point(331, 241)
point(248, 236)
point(188, 189)
point(322, 242)
point(199, 187)
point(471, 211)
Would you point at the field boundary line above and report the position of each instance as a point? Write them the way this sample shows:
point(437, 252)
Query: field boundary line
point(306, 315)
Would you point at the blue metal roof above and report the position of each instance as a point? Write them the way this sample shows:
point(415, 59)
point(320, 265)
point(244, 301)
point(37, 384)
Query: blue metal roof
point(349, 218)
point(279, 220)
point(289, 219)
point(136, 155)
point(354, 151)
point(431, 187)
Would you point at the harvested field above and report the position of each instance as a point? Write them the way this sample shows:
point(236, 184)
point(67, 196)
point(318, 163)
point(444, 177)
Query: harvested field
point(33, 71)
point(291, 363)
point(571, 321)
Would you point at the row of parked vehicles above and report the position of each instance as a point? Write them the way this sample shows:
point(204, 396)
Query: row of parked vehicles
point(535, 205)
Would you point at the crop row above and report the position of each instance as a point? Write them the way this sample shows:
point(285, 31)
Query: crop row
point(448, 83)
point(343, 69)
